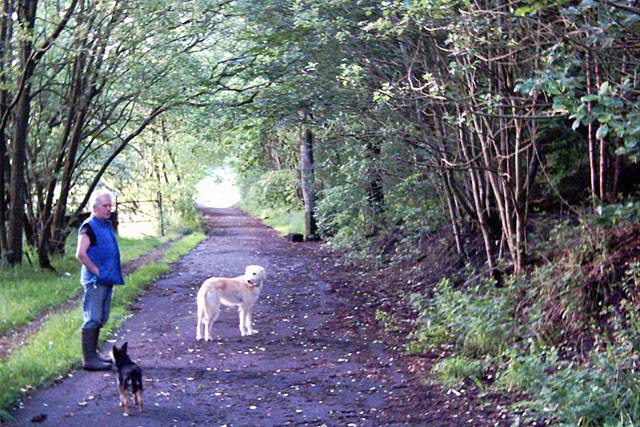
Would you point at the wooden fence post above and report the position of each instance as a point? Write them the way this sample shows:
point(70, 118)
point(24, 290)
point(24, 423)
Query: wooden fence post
point(160, 212)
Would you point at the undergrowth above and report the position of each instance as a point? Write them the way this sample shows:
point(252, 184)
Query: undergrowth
point(274, 198)
point(566, 335)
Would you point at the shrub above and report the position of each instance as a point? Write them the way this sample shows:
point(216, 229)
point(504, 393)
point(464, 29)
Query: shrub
point(477, 322)
point(524, 372)
point(275, 189)
point(615, 214)
point(603, 392)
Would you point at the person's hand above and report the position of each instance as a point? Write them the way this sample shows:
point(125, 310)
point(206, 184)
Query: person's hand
point(99, 279)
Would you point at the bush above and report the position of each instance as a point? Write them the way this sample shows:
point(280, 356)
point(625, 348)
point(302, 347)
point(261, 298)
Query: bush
point(524, 372)
point(477, 322)
point(275, 189)
point(611, 215)
point(339, 215)
point(605, 391)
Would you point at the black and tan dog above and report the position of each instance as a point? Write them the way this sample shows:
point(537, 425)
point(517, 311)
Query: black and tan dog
point(128, 373)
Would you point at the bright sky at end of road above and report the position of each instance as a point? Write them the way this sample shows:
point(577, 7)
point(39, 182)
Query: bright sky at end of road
point(218, 190)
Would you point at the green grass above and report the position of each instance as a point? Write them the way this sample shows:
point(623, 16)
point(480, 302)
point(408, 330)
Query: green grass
point(283, 220)
point(454, 370)
point(131, 249)
point(182, 246)
point(21, 301)
point(27, 291)
point(55, 348)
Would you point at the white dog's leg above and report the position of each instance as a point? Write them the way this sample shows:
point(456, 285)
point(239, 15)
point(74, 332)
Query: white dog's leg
point(207, 330)
point(212, 314)
point(199, 322)
point(249, 323)
point(242, 318)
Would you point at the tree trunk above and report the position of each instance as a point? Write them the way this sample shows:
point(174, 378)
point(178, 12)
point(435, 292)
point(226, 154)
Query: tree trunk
point(26, 16)
point(5, 36)
point(59, 225)
point(375, 194)
point(476, 189)
point(592, 155)
point(307, 181)
point(88, 62)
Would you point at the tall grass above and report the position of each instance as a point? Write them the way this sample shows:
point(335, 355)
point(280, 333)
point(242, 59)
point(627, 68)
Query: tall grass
point(454, 370)
point(55, 349)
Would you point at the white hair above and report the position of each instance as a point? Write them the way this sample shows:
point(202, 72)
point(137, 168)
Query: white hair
point(100, 194)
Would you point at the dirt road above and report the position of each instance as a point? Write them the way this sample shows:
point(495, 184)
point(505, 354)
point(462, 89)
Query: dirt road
point(308, 365)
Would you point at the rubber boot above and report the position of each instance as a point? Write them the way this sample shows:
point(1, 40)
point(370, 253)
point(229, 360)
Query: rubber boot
point(102, 358)
point(90, 361)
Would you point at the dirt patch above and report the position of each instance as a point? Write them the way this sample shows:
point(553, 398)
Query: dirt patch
point(319, 358)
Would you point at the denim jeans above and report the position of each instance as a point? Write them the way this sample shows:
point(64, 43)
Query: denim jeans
point(96, 305)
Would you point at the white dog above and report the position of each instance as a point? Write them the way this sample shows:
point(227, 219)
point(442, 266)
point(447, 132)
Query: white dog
point(241, 291)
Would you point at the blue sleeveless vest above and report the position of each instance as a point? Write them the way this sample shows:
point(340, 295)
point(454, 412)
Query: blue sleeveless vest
point(104, 253)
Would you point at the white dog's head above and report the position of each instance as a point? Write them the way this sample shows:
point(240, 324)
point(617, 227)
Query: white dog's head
point(255, 275)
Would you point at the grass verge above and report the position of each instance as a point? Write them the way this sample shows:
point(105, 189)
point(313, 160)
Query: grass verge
point(27, 291)
point(55, 349)
point(283, 220)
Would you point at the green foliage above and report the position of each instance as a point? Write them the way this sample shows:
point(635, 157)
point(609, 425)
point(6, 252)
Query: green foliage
point(339, 214)
point(168, 165)
point(585, 271)
point(599, 388)
point(616, 214)
point(476, 325)
point(388, 321)
point(605, 391)
point(524, 371)
point(454, 370)
point(629, 324)
point(476, 321)
point(273, 197)
point(277, 189)
point(607, 107)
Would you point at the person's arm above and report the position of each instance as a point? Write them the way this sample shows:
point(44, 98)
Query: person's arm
point(81, 253)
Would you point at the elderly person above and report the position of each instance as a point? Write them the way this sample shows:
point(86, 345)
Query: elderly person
point(98, 253)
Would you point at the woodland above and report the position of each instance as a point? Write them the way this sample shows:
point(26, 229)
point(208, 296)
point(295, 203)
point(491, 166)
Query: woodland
point(503, 133)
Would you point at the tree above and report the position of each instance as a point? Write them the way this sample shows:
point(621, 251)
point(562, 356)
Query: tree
point(28, 58)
